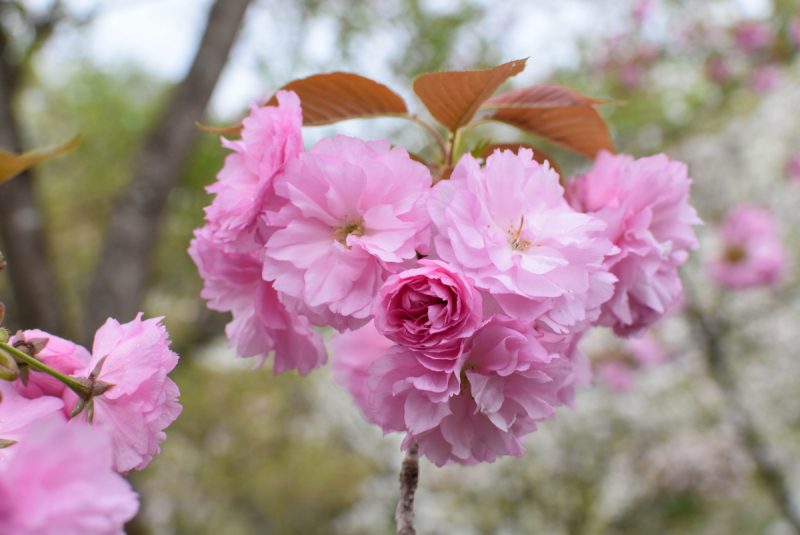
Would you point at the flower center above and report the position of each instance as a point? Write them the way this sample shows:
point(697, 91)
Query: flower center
point(514, 239)
point(734, 254)
point(356, 228)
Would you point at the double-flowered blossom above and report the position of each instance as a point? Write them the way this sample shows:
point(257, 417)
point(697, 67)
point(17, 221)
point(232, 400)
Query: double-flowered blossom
point(354, 353)
point(645, 204)
point(508, 227)
point(506, 379)
point(18, 413)
point(261, 324)
point(355, 215)
point(134, 358)
point(62, 355)
point(753, 252)
point(61, 482)
point(271, 135)
point(428, 306)
point(228, 250)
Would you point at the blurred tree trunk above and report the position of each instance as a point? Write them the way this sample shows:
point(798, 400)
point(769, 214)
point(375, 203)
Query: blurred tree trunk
point(118, 286)
point(32, 279)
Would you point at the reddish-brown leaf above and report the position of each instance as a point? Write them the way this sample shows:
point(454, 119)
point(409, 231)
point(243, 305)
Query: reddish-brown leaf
point(234, 130)
point(454, 97)
point(13, 164)
point(538, 154)
point(578, 128)
point(557, 114)
point(542, 96)
point(338, 96)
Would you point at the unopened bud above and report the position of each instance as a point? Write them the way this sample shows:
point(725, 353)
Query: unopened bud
point(8, 367)
point(3, 333)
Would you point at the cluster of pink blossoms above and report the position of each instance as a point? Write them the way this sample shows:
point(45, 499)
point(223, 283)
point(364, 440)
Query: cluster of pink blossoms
point(62, 455)
point(459, 305)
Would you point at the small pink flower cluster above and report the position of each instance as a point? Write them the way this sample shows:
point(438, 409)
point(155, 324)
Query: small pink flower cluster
point(58, 473)
point(459, 305)
point(753, 254)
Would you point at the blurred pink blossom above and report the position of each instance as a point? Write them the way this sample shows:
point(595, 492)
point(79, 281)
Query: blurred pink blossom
point(61, 355)
point(752, 35)
point(646, 351)
point(134, 358)
point(61, 482)
point(643, 9)
point(508, 227)
point(355, 215)
point(631, 75)
point(645, 204)
point(618, 376)
point(794, 30)
point(793, 168)
point(717, 69)
point(764, 79)
point(754, 254)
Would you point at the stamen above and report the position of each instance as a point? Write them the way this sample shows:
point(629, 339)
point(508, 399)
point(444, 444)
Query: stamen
point(356, 228)
point(514, 237)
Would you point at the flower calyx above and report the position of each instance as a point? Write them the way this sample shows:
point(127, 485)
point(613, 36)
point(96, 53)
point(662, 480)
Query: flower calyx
point(30, 347)
point(90, 388)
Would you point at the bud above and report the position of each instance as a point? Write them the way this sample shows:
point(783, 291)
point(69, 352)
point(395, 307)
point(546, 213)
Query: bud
point(2, 315)
point(8, 367)
point(3, 332)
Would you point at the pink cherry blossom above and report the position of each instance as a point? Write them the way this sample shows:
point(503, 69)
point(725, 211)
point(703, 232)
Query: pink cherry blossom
point(61, 355)
point(62, 483)
point(793, 168)
point(717, 69)
point(752, 35)
point(17, 413)
point(261, 324)
point(353, 353)
point(754, 254)
point(646, 351)
point(135, 358)
point(764, 79)
point(355, 215)
point(618, 376)
point(506, 381)
point(645, 204)
point(794, 30)
point(427, 306)
point(270, 137)
point(508, 227)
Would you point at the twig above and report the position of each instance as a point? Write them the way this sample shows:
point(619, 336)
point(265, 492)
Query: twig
point(409, 476)
point(770, 473)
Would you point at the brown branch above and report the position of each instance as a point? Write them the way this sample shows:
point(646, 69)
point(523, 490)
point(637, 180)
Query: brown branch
point(34, 287)
point(409, 476)
point(709, 332)
point(118, 286)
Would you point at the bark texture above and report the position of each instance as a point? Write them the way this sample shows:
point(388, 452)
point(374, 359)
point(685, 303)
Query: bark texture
point(118, 286)
point(33, 284)
point(409, 476)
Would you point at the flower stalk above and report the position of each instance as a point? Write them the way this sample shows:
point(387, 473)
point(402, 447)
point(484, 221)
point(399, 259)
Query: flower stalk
point(81, 387)
point(409, 477)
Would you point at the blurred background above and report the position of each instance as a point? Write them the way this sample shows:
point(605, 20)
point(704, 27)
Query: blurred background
point(693, 429)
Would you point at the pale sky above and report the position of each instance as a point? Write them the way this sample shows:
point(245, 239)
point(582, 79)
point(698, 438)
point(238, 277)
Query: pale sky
point(161, 36)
